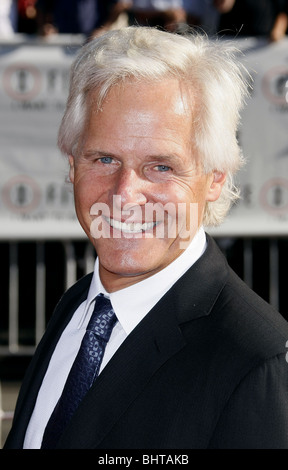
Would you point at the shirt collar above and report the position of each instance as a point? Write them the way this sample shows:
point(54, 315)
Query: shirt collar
point(134, 302)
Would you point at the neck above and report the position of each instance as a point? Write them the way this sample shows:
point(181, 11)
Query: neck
point(114, 281)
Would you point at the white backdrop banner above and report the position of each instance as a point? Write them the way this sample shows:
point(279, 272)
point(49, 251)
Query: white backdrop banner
point(263, 208)
point(35, 200)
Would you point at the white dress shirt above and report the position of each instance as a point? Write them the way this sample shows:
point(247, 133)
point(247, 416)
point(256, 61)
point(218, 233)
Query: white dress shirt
point(130, 305)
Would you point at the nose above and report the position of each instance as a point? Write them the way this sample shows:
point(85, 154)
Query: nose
point(131, 188)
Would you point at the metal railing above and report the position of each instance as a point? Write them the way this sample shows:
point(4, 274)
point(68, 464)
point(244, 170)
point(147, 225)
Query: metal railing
point(24, 320)
point(72, 268)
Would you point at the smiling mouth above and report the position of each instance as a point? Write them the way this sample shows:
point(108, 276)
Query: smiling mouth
point(132, 227)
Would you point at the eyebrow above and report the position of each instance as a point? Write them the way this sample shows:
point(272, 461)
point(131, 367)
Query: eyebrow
point(99, 153)
point(156, 157)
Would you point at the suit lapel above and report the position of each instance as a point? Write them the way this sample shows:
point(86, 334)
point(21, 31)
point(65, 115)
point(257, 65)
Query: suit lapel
point(38, 366)
point(153, 342)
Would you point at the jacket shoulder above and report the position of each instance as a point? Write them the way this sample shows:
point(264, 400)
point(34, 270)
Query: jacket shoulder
point(254, 323)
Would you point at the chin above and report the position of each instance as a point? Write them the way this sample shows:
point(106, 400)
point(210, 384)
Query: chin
point(133, 257)
point(126, 267)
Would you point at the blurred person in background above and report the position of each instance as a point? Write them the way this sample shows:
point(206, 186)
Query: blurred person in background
point(8, 18)
point(175, 15)
point(166, 14)
point(267, 18)
point(27, 17)
point(195, 10)
point(202, 14)
point(87, 17)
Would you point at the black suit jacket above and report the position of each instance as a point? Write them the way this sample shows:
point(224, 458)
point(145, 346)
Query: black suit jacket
point(206, 368)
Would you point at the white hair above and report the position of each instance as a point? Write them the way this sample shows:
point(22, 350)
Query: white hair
point(209, 67)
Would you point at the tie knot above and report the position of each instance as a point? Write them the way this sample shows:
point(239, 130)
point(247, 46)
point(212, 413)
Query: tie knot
point(103, 318)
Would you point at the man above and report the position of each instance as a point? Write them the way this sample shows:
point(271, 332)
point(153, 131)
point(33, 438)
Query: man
point(195, 359)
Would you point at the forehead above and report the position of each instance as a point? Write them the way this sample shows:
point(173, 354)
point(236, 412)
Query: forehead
point(142, 109)
point(135, 108)
point(170, 93)
point(142, 119)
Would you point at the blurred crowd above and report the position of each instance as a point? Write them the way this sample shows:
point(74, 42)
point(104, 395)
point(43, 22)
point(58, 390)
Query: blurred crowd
point(267, 18)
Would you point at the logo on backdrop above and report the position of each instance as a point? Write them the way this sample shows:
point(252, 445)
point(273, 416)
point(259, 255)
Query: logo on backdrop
point(22, 82)
point(274, 86)
point(274, 196)
point(21, 194)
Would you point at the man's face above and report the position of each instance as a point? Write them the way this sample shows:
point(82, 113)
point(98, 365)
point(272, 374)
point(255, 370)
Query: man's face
point(135, 177)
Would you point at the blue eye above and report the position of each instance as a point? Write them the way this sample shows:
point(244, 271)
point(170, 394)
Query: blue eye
point(163, 168)
point(106, 160)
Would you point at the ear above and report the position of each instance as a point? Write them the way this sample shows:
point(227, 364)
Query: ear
point(218, 178)
point(71, 171)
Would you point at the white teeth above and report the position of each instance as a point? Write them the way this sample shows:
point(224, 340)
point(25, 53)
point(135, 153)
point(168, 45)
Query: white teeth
point(133, 227)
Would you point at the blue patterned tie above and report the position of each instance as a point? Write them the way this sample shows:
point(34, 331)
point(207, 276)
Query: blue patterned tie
point(83, 371)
